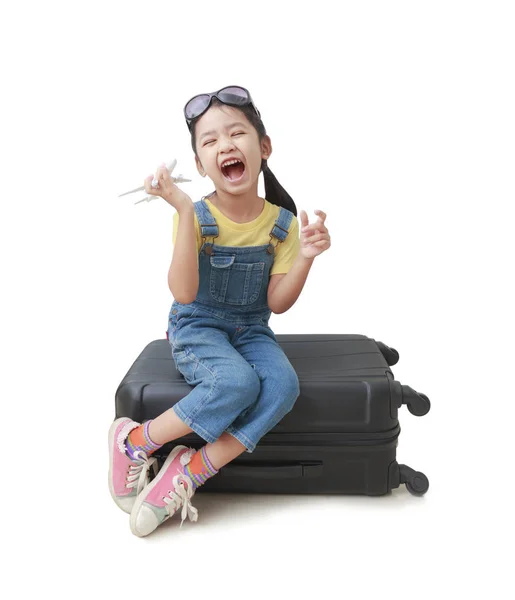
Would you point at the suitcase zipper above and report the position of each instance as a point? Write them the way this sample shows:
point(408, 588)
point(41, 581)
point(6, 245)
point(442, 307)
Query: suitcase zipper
point(327, 439)
point(331, 439)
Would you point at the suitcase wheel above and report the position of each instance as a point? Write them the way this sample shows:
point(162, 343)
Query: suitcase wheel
point(390, 354)
point(418, 404)
point(416, 482)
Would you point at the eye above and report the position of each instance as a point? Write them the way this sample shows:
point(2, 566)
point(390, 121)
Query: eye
point(239, 133)
point(208, 142)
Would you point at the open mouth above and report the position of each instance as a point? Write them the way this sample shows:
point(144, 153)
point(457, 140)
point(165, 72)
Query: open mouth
point(233, 170)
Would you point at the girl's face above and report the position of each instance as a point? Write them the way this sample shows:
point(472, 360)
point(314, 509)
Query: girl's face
point(222, 134)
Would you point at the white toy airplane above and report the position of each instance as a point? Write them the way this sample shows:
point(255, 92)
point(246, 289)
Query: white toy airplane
point(169, 167)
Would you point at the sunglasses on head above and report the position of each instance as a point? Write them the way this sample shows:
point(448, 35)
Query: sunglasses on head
point(233, 95)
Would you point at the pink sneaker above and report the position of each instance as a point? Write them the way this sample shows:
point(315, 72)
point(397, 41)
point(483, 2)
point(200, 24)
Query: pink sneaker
point(165, 494)
point(127, 478)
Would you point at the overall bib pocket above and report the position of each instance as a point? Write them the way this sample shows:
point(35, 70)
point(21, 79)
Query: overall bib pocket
point(234, 282)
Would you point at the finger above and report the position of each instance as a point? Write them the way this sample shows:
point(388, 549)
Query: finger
point(303, 218)
point(163, 172)
point(317, 227)
point(322, 244)
point(165, 178)
point(159, 175)
point(155, 181)
point(171, 166)
point(315, 237)
point(318, 238)
point(321, 215)
point(319, 243)
point(148, 185)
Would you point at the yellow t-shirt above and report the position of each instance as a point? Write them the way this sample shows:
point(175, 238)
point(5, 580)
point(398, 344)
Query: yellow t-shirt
point(253, 233)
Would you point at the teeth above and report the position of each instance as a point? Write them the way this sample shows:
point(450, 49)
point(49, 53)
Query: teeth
point(231, 162)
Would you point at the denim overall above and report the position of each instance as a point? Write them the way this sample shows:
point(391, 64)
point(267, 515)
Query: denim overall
point(243, 382)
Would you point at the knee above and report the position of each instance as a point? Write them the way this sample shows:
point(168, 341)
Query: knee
point(242, 382)
point(292, 385)
point(289, 386)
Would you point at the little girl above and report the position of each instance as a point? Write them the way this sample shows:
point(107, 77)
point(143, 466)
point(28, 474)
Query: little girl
point(242, 382)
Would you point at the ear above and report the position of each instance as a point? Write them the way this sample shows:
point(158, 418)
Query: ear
point(199, 167)
point(266, 147)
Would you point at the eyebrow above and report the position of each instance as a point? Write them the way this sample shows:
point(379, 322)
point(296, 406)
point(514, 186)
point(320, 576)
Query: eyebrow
point(213, 132)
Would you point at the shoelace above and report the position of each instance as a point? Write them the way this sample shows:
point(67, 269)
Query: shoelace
point(138, 470)
point(181, 495)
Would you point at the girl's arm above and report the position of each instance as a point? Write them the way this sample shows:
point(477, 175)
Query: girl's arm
point(283, 293)
point(314, 239)
point(183, 275)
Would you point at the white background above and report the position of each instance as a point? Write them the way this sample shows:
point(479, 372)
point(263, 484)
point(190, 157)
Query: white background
point(397, 120)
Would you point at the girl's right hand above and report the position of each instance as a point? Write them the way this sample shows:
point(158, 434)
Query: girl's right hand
point(167, 189)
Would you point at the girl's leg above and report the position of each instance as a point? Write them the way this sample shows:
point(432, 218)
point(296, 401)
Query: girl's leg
point(210, 458)
point(279, 385)
point(225, 449)
point(167, 427)
point(151, 435)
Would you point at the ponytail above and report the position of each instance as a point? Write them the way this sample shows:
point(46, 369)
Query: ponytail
point(274, 191)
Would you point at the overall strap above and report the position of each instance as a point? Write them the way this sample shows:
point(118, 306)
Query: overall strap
point(280, 228)
point(207, 223)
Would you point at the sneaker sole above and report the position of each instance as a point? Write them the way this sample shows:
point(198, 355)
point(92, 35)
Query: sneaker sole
point(112, 431)
point(141, 498)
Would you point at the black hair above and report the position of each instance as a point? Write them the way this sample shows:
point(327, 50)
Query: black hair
point(274, 191)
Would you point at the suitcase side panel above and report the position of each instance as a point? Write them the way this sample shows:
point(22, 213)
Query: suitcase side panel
point(297, 469)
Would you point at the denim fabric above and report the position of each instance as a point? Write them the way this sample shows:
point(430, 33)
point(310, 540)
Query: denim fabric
point(243, 382)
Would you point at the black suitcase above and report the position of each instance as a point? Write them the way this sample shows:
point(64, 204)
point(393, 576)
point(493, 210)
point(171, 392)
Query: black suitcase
point(339, 438)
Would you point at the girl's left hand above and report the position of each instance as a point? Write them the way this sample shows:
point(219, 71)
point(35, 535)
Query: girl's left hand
point(314, 238)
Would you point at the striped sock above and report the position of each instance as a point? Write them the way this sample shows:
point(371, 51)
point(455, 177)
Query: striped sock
point(199, 469)
point(139, 439)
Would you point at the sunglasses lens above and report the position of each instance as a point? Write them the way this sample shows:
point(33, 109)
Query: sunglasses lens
point(196, 106)
point(234, 95)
